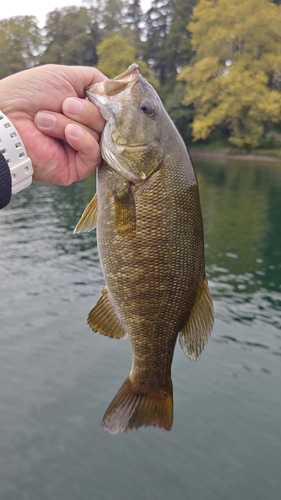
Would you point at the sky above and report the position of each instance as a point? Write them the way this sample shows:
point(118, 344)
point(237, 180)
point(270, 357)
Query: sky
point(41, 8)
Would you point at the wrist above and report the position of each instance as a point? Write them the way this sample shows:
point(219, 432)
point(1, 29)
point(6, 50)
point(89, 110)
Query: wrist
point(12, 148)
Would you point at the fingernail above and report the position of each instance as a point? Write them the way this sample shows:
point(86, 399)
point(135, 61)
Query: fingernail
point(46, 120)
point(76, 132)
point(73, 106)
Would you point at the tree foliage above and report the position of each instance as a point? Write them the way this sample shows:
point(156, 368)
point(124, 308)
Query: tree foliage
point(20, 42)
point(113, 12)
point(227, 53)
point(71, 37)
point(167, 46)
point(116, 54)
point(134, 16)
point(157, 24)
point(234, 78)
point(181, 115)
point(178, 50)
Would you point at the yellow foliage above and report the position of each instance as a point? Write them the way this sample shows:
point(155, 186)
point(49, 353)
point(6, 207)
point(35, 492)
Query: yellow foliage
point(237, 64)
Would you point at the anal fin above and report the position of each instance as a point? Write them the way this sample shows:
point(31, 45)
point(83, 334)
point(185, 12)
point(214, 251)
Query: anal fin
point(195, 334)
point(103, 319)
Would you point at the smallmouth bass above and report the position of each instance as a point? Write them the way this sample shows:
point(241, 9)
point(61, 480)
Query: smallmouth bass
point(151, 247)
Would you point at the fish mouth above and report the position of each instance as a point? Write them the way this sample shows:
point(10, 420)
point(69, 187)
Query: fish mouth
point(109, 88)
point(106, 96)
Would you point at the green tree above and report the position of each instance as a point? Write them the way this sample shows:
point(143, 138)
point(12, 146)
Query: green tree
point(20, 43)
point(178, 49)
point(116, 54)
point(134, 25)
point(167, 45)
point(112, 16)
point(134, 16)
point(167, 49)
point(123, 17)
point(181, 115)
point(157, 23)
point(72, 34)
point(234, 79)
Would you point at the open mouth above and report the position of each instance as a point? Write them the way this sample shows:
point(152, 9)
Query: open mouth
point(110, 88)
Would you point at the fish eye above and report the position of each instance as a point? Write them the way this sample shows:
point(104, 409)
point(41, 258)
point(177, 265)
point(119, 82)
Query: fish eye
point(147, 107)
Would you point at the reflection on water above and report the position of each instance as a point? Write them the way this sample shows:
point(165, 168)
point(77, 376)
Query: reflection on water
point(57, 377)
point(241, 206)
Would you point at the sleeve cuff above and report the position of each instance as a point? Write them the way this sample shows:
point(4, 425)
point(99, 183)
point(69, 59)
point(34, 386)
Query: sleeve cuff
point(5, 182)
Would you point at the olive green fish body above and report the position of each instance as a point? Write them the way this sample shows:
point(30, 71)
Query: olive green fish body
point(151, 247)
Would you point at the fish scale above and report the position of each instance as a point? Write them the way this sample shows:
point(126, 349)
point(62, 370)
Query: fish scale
point(151, 247)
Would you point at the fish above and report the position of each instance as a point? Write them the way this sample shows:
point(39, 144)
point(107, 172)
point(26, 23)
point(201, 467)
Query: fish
point(151, 247)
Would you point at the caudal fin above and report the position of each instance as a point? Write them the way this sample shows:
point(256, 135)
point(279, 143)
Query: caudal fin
point(130, 409)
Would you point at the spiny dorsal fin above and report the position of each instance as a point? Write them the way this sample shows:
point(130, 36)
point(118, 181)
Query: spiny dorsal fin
point(102, 318)
point(195, 334)
point(88, 219)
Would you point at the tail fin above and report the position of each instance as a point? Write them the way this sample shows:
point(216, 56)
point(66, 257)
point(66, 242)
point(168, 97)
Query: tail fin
point(130, 409)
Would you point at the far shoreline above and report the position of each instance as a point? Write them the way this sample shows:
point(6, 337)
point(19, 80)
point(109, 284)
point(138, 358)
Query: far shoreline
point(232, 156)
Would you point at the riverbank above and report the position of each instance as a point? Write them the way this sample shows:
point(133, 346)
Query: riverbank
point(231, 155)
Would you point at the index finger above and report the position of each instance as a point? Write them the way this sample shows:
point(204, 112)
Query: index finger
point(84, 112)
point(81, 77)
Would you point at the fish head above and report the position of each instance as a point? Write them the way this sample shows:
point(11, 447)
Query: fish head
point(131, 141)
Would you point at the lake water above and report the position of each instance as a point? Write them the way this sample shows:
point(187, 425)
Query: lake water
point(57, 377)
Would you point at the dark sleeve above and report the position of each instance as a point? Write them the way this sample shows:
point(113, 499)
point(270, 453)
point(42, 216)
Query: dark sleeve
point(5, 182)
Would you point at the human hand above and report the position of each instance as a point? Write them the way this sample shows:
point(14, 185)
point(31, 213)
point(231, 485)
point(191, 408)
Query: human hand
point(60, 129)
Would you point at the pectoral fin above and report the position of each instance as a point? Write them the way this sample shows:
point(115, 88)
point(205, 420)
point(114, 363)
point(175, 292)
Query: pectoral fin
point(125, 210)
point(102, 318)
point(194, 335)
point(88, 219)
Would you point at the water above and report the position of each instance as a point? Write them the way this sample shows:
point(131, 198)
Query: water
point(57, 377)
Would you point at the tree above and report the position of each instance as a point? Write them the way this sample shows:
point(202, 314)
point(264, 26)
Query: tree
point(72, 34)
point(178, 48)
point(181, 115)
point(134, 16)
point(134, 25)
point(234, 79)
point(112, 14)
point(116, 54)
point(167, 45)
point(157, 23)
point(20, 43)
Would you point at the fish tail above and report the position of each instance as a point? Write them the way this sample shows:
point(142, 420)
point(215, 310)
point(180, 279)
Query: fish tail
point(131, 409)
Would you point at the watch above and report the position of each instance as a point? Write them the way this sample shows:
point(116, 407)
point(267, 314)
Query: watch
point(13, 150)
